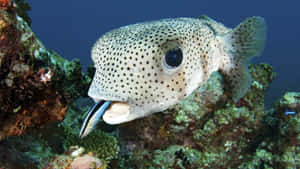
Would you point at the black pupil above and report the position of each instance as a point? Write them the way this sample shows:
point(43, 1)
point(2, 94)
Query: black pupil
point(174, 57)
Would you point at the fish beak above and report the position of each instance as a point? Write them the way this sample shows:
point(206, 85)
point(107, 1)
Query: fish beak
point(112, 112)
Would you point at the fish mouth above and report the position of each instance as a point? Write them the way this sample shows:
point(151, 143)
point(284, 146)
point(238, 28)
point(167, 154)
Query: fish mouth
point(118, 110)
point(116, 113)
point(112, 112)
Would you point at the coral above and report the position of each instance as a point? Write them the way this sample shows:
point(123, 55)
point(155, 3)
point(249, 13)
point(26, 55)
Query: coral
point(289, 102)
point(21, 8)
point(30, 75)
point(262, 75)
point(71, 160)
point(86, 162)
point(176, 157)
point(264, 157)
point(44, 147)
point(103, 145)
point(25, 152)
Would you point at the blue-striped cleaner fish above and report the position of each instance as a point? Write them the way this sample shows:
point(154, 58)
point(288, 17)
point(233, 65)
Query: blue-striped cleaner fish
point(147, 67)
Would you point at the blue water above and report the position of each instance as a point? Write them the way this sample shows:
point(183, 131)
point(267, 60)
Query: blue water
point(71, 27)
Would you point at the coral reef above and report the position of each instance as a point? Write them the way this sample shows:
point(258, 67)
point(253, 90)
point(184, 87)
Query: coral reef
point(279, 143)
point(30, 75)
point(24, 152)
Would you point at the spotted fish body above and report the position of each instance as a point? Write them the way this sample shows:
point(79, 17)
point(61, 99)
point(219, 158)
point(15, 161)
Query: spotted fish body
point(131, 65)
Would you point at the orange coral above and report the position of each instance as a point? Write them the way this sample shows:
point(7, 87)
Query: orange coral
point(4, 4)
point(3, 40)
point(47, 108)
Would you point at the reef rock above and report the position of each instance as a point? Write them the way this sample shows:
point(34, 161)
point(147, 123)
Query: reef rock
point(86, 162)
point(75, 158)
point(36, 84)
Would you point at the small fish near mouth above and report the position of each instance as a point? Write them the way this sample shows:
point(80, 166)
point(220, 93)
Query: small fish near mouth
point(93, 117)
point(110, 111)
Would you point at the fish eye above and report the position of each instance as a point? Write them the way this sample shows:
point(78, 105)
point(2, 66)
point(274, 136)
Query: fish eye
point(173, 58)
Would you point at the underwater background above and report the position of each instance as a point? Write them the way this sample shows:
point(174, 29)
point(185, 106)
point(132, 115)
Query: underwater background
point(45, 74)
point(71, 28)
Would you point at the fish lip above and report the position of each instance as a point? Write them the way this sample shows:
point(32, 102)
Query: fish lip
point(117, 112)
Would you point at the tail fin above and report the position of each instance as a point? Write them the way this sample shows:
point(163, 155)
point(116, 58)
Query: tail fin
point(246, 40)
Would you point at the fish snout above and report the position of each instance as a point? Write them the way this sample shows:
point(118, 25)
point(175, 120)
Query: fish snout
point(112, 113)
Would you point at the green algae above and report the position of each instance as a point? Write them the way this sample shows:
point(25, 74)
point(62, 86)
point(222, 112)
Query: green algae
point(195, 106)
point(290, 98)
point(290, 101)
point(262, 75)
point(102, 144)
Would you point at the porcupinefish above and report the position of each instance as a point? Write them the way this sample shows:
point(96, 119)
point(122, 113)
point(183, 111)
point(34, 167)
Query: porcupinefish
point(147, 67)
